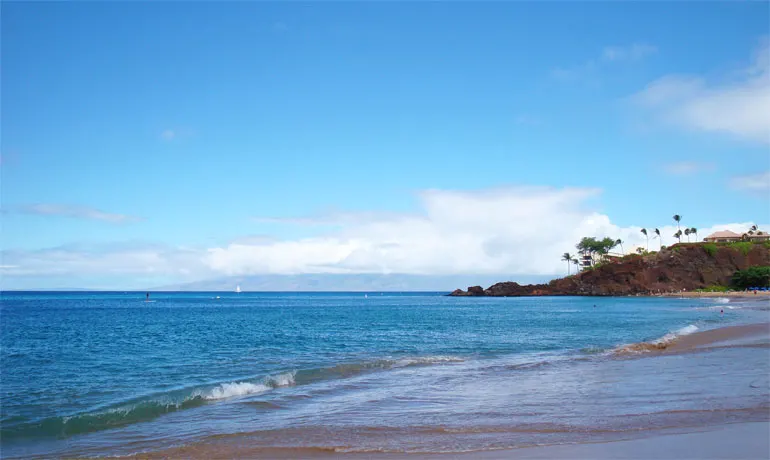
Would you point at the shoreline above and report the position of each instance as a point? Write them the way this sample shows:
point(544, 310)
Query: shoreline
point(721, 337)
point(744, 437)
point(734, 441)
point(729, 294)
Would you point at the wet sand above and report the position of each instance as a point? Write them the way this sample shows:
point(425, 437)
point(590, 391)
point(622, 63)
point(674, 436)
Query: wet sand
point(725, 336)
point(705, 435)
point(755, 335)
point(731, 294)
point(738, 441)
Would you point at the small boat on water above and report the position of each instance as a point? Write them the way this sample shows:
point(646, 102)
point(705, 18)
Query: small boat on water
point(238, 289)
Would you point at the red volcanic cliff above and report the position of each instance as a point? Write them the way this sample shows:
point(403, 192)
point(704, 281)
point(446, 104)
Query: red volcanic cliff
point(680, 267)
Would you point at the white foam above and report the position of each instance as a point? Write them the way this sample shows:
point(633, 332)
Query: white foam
point(719, 307)
point(671, 336)
point(722, 300)
point(229, 390)
point(232, 389)
point(422, 360)
point(281, 380)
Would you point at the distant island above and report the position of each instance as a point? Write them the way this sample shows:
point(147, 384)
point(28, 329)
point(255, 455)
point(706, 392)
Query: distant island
point(707, 266)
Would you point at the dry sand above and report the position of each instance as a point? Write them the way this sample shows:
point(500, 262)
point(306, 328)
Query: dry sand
point(746, 294)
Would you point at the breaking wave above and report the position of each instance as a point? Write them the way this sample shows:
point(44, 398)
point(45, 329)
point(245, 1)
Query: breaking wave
point(233, 389)
point(657, 344)
point(150, 407)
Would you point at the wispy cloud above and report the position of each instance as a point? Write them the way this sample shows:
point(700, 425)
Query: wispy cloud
point(527, 120)
point(75, 212)
point(740, 107)
point(759, 182)
point(635, 52)
point(176, 134)
point(116, 259)
point(687, 168)
point(485, 232)
point(610, 55)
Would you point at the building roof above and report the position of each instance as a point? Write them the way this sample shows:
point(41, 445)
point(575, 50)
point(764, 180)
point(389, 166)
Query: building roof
point(724, 234)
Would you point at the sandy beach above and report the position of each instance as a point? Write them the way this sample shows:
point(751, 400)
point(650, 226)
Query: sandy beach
point(700, 434)
point(739, 441)
point(728, 294)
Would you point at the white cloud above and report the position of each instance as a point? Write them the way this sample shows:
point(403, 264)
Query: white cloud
point(609, 55)
point(740, 107)
point(505, 232)
point(518, 230)
point(168, 134)
point(686, 168)
point(119, 259)
point(75, 212)
point(752, 182)
point(634, 52)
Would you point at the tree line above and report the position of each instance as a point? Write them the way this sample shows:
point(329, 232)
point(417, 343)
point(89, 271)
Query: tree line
point(601, 247)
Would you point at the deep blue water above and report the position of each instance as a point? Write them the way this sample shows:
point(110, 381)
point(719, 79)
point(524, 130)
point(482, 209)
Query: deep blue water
point(98, 366)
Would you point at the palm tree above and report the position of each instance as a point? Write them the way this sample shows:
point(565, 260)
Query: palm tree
point(694, 231)
point(677, 218)
point(619, 242)
point(678, 235)
point(644, 232)
point(567, 257)
point(577, 265)
point(660, 238)
point(752, 229)
point(687, 232)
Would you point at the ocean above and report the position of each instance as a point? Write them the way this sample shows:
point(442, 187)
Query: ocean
point(94, 374)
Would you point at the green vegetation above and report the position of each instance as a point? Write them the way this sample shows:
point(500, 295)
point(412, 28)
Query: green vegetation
point(567, 257)
point(751, 277)
point(711, 249)
point(594, 247)
point(597, 249)
point(714, 288)
point(743, 246)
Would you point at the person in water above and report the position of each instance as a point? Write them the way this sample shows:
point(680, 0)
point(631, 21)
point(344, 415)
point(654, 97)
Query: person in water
point(147, 298)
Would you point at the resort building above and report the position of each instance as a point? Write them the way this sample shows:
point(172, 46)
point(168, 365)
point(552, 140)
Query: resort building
point(759, 236)
point(586, 260)
point(726, 236)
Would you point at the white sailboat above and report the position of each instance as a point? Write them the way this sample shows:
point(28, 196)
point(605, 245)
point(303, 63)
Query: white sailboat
point(238, 289)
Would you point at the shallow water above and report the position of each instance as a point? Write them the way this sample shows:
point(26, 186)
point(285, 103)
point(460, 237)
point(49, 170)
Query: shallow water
point(107, 373)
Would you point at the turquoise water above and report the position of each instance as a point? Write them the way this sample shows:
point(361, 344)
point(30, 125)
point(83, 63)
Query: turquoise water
point(108, 373)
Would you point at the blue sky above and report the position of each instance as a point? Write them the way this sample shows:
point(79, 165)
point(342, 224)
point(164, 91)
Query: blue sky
point(151, 143)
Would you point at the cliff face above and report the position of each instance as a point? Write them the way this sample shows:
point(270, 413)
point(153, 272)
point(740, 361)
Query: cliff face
point(683, 266)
